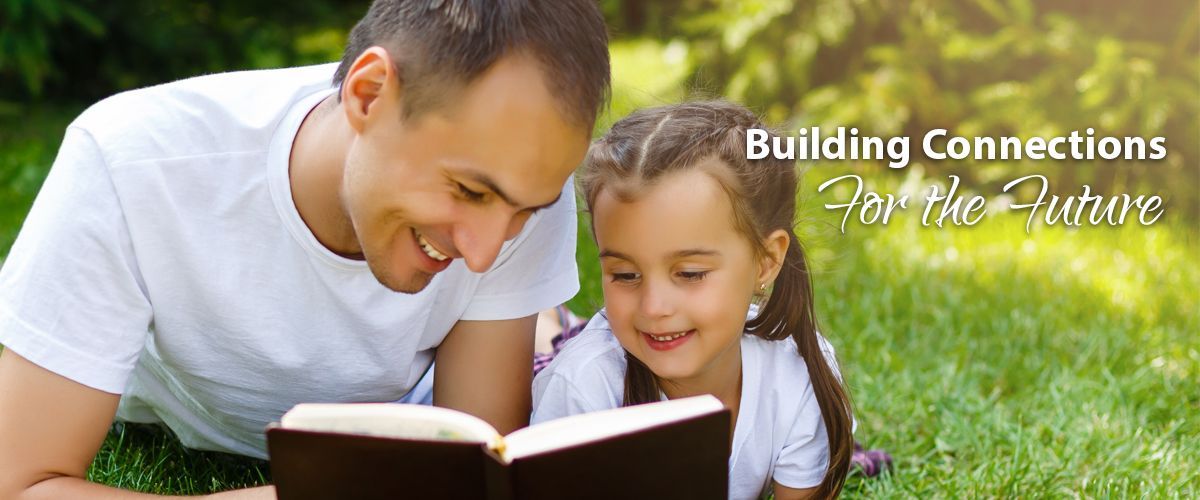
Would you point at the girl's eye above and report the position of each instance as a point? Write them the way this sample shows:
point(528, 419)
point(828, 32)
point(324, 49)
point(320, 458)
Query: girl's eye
point(472, 196)
point(625, 277)
point(693, 276)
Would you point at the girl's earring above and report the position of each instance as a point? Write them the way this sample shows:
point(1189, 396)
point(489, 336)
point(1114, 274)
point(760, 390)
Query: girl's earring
point(760, 297)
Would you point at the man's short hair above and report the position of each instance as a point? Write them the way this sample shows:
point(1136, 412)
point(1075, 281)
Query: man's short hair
point(440, 46)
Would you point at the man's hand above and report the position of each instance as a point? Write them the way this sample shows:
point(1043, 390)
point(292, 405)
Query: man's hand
point(485, 368)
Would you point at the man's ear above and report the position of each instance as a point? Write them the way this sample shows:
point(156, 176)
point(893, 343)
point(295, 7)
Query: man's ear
point(369, 84)
point(776, 246)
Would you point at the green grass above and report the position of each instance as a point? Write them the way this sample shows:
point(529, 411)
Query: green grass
point(988, 361)
point(148, 459)
point(991, 362)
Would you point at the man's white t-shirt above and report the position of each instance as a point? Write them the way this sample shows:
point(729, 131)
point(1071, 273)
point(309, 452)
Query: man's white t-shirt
point(779, 433)
point(164, 260)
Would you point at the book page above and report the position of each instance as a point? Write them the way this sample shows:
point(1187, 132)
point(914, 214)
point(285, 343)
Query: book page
point(392, 420)
point(587, 427)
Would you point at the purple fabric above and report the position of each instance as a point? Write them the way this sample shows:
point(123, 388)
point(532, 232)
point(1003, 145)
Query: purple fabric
point(870, 462)
point(569, 330)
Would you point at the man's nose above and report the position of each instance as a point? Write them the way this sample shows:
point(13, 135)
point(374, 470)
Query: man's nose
point(480, 238)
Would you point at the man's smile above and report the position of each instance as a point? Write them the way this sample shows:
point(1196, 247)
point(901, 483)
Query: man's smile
point(429, 249)
point(431, 260)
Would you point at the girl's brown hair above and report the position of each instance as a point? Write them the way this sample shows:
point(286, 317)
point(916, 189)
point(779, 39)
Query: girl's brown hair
point(636, 154)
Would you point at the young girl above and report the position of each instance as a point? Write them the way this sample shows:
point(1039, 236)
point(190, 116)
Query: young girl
point(690, 233)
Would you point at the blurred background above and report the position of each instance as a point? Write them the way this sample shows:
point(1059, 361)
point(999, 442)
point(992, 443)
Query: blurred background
point(988, 360)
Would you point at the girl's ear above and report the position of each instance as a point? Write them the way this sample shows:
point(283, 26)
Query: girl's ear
point(776, 246)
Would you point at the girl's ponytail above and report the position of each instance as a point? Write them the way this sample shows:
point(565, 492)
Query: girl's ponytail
point(640, 385)
point(790, 311)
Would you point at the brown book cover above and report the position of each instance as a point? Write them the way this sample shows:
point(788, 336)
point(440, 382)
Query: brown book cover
point(679, 459)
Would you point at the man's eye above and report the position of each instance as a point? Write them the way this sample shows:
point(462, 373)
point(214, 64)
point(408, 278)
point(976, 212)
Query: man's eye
point(693, 276)
point(625, 277)
point(473, 196)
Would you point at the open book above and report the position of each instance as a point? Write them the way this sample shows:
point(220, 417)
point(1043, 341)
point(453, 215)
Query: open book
point(665, 450)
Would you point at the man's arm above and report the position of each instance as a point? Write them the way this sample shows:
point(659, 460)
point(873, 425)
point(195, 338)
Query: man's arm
point(485, 368)
point(51, 428)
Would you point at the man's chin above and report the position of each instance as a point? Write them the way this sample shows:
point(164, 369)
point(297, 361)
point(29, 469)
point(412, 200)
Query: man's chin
point(411, 282)
point(414, 285)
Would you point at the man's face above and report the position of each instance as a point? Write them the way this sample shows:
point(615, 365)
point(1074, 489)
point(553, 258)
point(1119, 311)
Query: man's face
point(458, 180)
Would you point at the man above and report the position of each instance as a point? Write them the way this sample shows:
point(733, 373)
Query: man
point(210, 252)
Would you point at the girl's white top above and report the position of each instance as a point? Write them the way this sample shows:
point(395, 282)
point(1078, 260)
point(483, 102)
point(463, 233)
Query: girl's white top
point(779, 432)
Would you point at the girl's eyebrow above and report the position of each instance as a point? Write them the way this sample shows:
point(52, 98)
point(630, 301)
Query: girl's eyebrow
point(690, 252)
point(613, 254)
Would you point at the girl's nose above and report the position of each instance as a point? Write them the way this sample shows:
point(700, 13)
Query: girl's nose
point(657, 300)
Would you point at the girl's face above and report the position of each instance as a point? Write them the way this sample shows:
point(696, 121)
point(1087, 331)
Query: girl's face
point(678, 277)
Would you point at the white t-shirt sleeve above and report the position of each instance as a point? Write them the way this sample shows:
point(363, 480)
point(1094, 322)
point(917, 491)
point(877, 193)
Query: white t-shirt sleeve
point(554, 396)
point(587, 375)
point(71, 299)
point(535, 271)
point(805, 454)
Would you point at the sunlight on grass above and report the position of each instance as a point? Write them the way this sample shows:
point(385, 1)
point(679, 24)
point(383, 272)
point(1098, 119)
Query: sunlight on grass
point(995, 362)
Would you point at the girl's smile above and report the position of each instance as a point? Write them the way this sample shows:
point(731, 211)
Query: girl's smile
point(666, 341)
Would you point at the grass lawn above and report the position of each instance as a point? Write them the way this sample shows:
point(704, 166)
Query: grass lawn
point(988, 361)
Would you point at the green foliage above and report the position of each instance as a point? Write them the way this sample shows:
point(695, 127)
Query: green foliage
point(27, 148)
point(27, 30)
point(87, 49)
point(977, 68)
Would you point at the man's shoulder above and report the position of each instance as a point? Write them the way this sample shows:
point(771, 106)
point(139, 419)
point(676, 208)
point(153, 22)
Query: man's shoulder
point(216, 113)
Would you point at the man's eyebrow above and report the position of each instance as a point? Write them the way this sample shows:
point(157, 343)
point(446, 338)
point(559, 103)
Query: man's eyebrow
point(487, 182)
